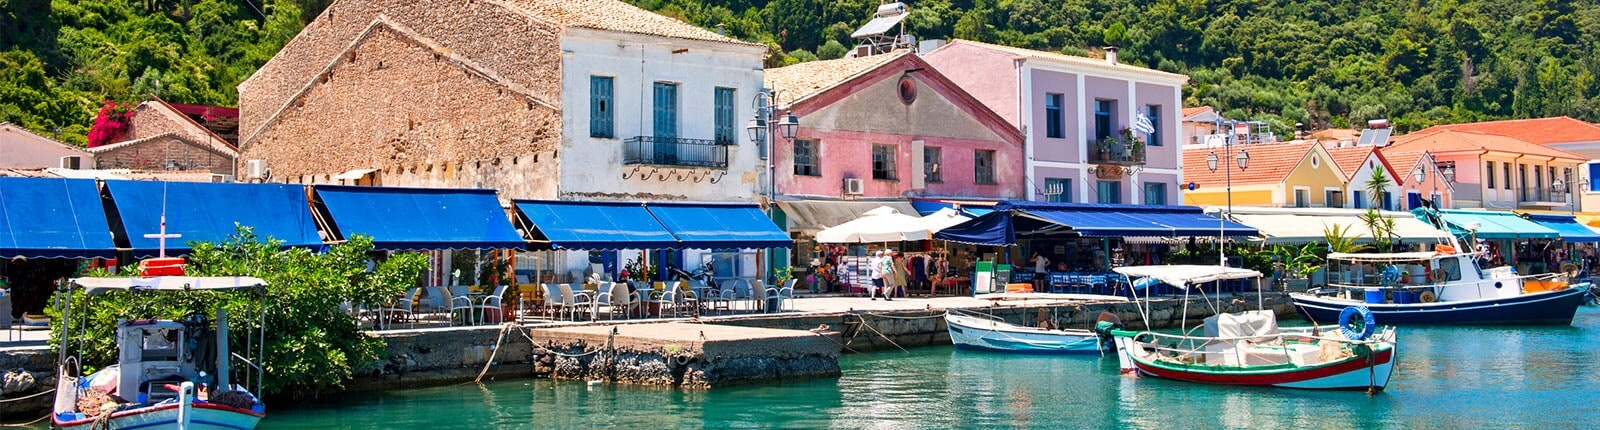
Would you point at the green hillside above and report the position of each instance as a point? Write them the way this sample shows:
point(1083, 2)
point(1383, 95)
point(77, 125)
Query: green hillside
point(1321, 62)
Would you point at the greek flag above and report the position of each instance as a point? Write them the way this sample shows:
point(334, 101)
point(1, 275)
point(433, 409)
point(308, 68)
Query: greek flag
point(1142, 123)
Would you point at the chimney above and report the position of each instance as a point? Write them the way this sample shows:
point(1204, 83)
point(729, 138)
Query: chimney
point(1111, 55)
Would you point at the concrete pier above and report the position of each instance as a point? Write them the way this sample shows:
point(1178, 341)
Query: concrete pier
point(683, 354)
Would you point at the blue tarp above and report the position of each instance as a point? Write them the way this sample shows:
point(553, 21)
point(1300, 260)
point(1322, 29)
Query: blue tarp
point(1495, 225)
point(419, 218)
point(1567, 226)
point(973, 208)
point(594, 225)
point(208, 212)
point(52, 218)
point(1013, 218)
point(719, 226)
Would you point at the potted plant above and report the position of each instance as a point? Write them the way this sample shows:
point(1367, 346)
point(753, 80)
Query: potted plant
point(1102, 147)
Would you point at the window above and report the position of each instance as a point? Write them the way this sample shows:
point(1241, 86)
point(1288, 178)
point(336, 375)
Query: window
point(1302, 198)
point(1452, 267)
point(1102, 118)
point(1155, 194)
point(983, 167)
point(1488, 174)
point(1052, 116)
point(1108, 192)
point(1594, 174)
point(600, 108)
point(1058, 189)
point(1358, 199)
point(1154, 113)
point(930, 165)
point(1388, 201)
point(883, 162)
point(723, 110)
point(1334, 199)
point(1413, 200)
point(805, 158)
point(1522, 180)
point(1505, 169)
point(666, 110)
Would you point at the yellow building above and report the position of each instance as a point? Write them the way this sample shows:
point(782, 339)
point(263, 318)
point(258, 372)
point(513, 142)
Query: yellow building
point(1293, 174)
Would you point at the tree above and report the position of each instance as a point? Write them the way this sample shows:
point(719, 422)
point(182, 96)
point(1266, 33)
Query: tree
point(831, 50)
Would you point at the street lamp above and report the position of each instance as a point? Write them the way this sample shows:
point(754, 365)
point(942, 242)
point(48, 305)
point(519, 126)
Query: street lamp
point(1212, 162)
point(761, 133)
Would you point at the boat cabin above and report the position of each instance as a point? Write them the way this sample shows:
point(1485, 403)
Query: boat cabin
point(1421, 277)
point(154, 356)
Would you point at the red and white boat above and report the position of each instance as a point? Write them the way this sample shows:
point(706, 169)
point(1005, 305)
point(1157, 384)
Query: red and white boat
point(1248, 348)
point(163, 378)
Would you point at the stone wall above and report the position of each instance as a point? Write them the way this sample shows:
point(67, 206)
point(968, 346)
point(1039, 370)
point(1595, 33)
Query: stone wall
point(513, 45)
point(397, 104)
point(154, 152)
point(27, 372)
point(154, 118)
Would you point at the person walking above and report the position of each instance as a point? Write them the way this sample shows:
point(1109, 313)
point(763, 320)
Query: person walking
point(875, 269)
point(897, 266)
point(1041, 272)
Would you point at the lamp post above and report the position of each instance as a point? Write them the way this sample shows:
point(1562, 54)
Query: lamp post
point(761, 133)
point(1212, 162)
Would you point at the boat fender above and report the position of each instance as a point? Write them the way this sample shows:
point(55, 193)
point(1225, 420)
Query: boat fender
point(1569, 269)
point(1427, 297)
point(1438, 275)
point(1347, 322)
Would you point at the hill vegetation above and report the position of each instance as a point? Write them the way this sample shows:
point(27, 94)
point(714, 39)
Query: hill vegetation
point(1324, 63)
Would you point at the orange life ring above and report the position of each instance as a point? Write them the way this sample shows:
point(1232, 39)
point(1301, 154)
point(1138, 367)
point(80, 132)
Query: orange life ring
point(1427, 297)
point(1438, 275)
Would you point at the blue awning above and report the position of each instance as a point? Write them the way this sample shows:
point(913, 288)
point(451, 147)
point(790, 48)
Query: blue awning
point(208, 212)
point(1495, 225)
point(418, 218)
point(592, 225)
point(1034, 219)
point(719, 226)
point(972, 208)
point(1567, 226)
point(53, 218)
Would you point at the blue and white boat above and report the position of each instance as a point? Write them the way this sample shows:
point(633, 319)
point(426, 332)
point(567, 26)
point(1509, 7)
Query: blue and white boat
point(975, 331)
point(1441, 287)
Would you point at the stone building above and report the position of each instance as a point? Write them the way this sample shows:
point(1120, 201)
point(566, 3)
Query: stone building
point(568, 99)
point(21, 148)
point(160, 137)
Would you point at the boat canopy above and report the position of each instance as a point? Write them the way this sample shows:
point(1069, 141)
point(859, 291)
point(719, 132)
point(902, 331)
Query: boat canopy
point(1391, 256)
point(1185, 275)
point(168, 283)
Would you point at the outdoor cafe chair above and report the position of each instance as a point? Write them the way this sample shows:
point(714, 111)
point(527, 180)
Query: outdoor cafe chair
point(552, 301)
point(786, 294)
point(494, 301)
point(741, 290)
point(721, 300)
point(572, 301)
point(527, 294)
point(621, 300)
point(401, 311)
point(666, 302)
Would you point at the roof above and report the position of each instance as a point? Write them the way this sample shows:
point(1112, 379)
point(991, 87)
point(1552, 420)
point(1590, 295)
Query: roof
point(26, 131)
point(1188, 112)
point(812, 77)
point(1445, 140)
point(1405, 159)
point(1074, 60)
point(214, 144)
point(1337, 134)
point(617, 16)
point(191, 123)
point(1542, 131)
point(1269, 164)
point(1349, 158)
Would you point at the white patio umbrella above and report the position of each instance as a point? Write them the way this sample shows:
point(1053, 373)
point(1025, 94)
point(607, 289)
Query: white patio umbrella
point(884, 224)
point(943, 219)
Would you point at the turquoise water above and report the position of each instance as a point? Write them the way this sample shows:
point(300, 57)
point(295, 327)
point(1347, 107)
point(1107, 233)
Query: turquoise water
point(1541, 377)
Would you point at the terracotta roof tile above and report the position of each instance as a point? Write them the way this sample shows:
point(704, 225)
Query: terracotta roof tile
point(1337, 134)
point(805, 79)
point(1445, 140)
point(1403, 160)
point(1188, 112)
point(1269, 164)
point(618, 16)
point(1543, 131)
point(1349, 158)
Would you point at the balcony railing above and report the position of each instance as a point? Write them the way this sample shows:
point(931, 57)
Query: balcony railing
point(674, 151)
point(1116, 151)
point(1552, 195)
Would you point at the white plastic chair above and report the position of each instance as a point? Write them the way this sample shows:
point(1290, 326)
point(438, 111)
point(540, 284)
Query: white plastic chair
point(387, 314)
point(759, 290)
point(495, 302)
point(667, 302)
point(786, 294)
point(571, 301)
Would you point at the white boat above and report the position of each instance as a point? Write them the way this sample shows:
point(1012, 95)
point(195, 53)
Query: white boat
point(161, 379)
point(970, 330)
point(1441, 287)
point(1248, 348)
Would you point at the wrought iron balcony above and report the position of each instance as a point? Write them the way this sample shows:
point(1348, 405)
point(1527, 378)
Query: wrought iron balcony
point(1116, 151)
point(1542, 196)
point(674, 151)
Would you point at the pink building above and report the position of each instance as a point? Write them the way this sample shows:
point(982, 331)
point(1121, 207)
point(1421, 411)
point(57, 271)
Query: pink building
point(890, 126)
point(1079, 114)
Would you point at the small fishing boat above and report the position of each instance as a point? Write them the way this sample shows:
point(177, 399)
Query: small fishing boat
point(1249, 349)
point(164, 377)
point(1440, 287)
point(976, 331)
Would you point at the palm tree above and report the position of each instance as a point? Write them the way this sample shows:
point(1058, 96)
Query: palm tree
point(1376, 185)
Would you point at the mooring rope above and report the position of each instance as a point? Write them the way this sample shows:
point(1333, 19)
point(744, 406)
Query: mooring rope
point(41, 393)
point(880, 334)
point(504, 327)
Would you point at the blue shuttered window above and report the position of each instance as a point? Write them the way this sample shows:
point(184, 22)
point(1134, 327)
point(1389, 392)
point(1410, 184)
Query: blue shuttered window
point(1109, 192)
point(1052, 116)
point(1154, 113)
point(600, 108)
point(724, 117)
point(666, 123)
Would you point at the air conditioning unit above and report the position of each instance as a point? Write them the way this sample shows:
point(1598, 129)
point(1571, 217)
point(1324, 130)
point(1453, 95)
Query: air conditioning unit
point(256, 169)
point(854, 186)
point(73, 162)
point(221, 178)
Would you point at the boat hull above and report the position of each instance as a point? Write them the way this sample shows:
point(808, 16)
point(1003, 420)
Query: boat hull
point(973, 333)
point(165, 416)
point(1370, 372)
point(1542, 308)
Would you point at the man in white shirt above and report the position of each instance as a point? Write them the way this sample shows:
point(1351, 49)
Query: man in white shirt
point(1041, 271)
point(875, 266)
